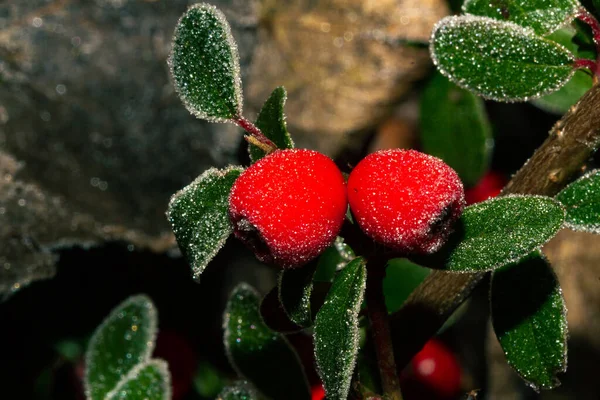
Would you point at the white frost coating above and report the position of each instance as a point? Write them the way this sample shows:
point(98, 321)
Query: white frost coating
point(541, 15)
point(517, 30)
point(209, 174)
point(160, 365)
point(345, 376)
point(151, 319)
point(237, 82)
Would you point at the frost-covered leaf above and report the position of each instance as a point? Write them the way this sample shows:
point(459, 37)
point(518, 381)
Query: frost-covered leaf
point(123, 340)
point(199, 216)
point(240, 390)
point(503, 230)
point(543, 16)
point(205, 66)
point(271, 121)
point(333, 259)
point(146, 381)
point(258, 354)
point(529, 318)
point(560, 101)
point(295, 287)
point(401, 278)
point(455, 128)
point(582, 201)
point(336, 332)
point(499, 60)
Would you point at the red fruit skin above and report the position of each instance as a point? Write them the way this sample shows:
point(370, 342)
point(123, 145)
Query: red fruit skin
point(489, 186)
point(289, 206)
point(405, 199)
point(434, 373)
point(317, 392)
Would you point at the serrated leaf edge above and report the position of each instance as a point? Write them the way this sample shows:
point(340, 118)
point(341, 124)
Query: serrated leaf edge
point(571, 15)
point(163, 369)
point(152, 328)
point(353, 321)
point(515, 259)
point(237, 79)
point(565, 336)
point(243, 286)
point(530, 33)
point(197, 270)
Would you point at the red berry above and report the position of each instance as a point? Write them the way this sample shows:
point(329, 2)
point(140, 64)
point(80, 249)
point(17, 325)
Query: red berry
point(317, 392)
point(435, 371)
point(289, 206)
point(489, 186)
point(405, 199)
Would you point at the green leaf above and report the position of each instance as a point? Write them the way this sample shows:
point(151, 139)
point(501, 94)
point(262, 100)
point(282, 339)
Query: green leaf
point(205, 65)
point(240, 390)
point(334, 258)
point(208, 381)
point(271, 121)
point(560, 101)
point(123, 340)
point(499, 60)
point(582, 201)
point(295, 287)
point(199, 216)
point(543, 16)
point(529, 318)
point(455, 128)
point(149, 380)
point(401, 278)
point(336, 331)
point(258, 354)
point(503, 230)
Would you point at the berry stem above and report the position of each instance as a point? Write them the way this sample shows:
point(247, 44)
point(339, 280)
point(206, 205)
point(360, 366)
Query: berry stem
point(255, 135)
point(585, 16)
point(380, 328)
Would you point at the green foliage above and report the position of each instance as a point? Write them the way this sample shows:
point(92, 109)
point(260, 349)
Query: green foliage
point(560, 101)
point(582, 201)
point(529, 318)
point(124, 340)
point(205, 66)
point(207, 380)
point(147, 381)
point(240, 390)
point(257, 353)
point(295, 287)
point(199, 216)
point(334, 258)
point(336, 332)
point(271, 121)
point(503, 230)
point(543, 16)
point(455, 128)
point(401, 278)
point(499, 60)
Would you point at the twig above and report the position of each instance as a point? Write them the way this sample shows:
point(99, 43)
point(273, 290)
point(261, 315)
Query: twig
point(571, 142)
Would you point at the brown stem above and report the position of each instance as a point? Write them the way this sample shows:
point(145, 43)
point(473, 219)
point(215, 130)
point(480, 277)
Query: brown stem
point(255, 133)
point(380, 329)
point(585, 16)
point(570, 144)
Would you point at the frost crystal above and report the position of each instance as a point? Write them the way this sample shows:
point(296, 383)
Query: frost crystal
point(199, 216)
point(582, 201)
point(240, 390)
point(205, 64)
point(123, 340)
point(499, 60)
point(150, 380)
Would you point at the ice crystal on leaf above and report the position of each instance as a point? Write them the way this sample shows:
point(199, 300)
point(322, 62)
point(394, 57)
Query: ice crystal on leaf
point(199, 215)
point(543, 16)
point(124, 340)
point(147, 381)
point(205, 65)
point(582, 201)
point(240, 390)
point(336, 330)
point(499, 60)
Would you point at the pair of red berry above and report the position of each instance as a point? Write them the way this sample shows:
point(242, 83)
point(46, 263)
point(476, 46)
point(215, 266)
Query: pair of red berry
point(289, 206)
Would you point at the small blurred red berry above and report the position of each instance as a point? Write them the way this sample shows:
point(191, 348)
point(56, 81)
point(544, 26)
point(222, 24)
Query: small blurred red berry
point(317, 392)
point(181, 357)
point(489, 186)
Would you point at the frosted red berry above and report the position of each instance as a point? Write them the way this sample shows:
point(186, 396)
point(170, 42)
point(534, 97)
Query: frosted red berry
point(405, 199)
point(289, 206)
point(434, 373)
point(317, 392)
